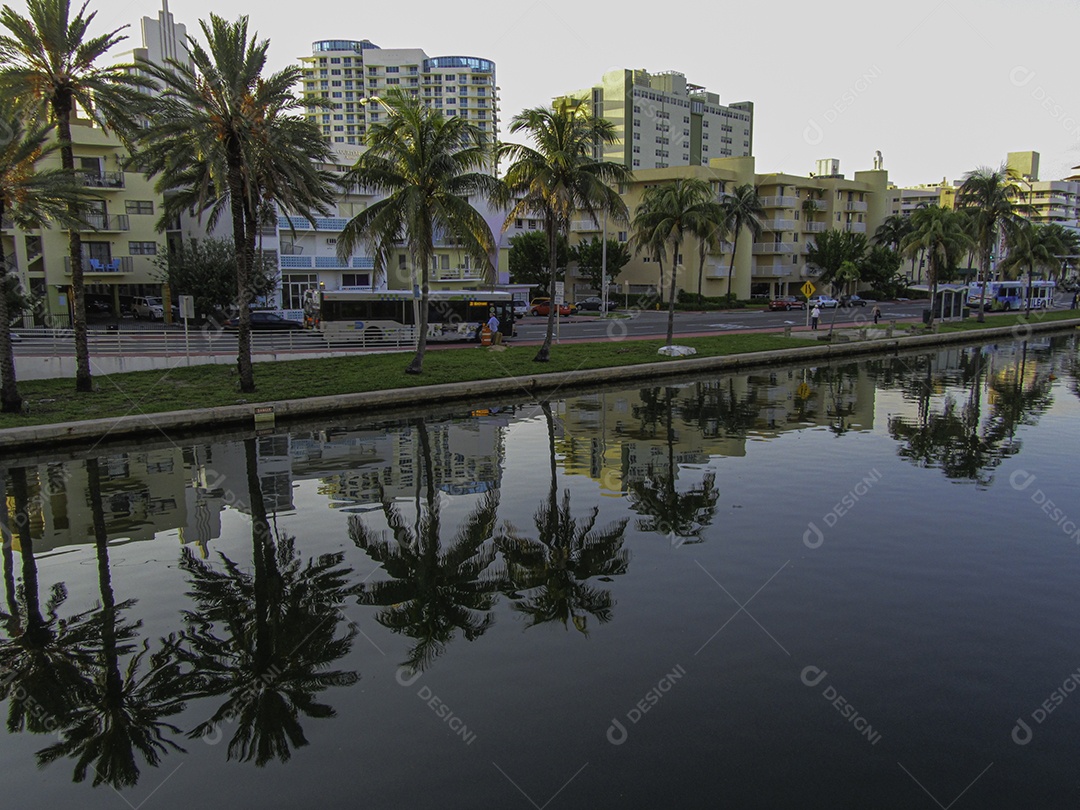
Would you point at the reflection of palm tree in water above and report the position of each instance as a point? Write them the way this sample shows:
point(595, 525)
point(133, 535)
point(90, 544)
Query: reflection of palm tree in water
point(44, 658)
point(665, 510)
point(281, 625)
point(433, 592)
point(120, 713)
point(553, 570)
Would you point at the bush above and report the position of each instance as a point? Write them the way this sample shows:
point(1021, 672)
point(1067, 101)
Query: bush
point(688, 301)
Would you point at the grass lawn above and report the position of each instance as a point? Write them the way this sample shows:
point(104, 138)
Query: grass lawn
point(207, 386)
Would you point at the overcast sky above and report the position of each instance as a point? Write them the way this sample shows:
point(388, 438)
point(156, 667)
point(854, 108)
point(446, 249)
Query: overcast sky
point(939, 86)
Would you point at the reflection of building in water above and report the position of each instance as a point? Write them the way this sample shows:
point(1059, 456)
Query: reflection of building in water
point(142, 493)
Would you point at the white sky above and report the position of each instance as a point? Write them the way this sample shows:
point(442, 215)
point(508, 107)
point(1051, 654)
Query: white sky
point(939, 86)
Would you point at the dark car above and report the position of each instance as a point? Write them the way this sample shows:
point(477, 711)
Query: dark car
point(593, 304)
point(854, 301)
point(265, 321)
point(784, 303)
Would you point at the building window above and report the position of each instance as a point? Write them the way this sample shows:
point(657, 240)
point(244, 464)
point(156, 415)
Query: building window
point(139, 206)
point(142, 248)
point(393, 69)
point(355, 280)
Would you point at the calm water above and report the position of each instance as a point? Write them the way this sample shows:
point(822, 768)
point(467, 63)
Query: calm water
point(846, 586)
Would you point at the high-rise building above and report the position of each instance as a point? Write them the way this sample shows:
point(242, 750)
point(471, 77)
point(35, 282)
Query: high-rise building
point(663, 121)
point(347, 74)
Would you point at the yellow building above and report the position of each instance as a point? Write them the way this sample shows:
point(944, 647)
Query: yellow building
point(796, 209)
point(118, 247)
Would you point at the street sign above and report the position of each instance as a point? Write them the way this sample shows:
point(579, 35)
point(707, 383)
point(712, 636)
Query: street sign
point(559, 293)
point(187, 307)
point(808, 289)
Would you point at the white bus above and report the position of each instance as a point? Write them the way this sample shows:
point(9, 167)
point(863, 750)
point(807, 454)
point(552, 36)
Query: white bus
point(1009, 295)
point(389, 316)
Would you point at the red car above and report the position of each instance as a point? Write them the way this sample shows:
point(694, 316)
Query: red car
point(542, 306)
point(784, 303)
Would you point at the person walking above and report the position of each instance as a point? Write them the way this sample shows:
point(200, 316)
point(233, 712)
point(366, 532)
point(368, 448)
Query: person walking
point(1074, 300)
point(877, 314)
point(815, 314)
point(493, 325)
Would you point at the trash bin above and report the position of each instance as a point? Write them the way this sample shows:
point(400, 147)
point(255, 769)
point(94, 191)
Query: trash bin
point(965, 313)
point(926, 316)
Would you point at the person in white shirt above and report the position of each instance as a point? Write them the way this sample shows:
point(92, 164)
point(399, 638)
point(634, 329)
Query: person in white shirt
point(815, 314)
point(493, 325)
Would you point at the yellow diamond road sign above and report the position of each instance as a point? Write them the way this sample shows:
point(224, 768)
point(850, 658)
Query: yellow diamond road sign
point(808, 289)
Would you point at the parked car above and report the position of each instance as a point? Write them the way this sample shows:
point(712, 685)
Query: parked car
point(784, 303)
point(521, 308)
point(270, 321)
point(854, 301)
point(823, 301)
point(594, 303)
point(150, 307)
point(542, 306)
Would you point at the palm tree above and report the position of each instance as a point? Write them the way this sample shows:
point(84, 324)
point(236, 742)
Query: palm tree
point(559, 177)
point(1031, 246)
point(555, 568)
point(433, 591)
point(892, 231)
point(941, 232)
point(428, 166)
point(281, 636)
point(652, 242)
point(986, 194)
point(670, 212)
point(51, 65)
point(31, 197)
point(1069, 242)
point(741, 209)
point(225, 137)
point(847, 273)
point(122, 712)
point(711, 240)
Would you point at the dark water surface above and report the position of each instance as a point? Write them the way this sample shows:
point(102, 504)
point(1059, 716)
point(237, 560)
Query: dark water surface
point(844, 586)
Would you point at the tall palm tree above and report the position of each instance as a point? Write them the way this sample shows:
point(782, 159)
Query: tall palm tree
point(670, 212)
point(559, 176)
point(428, 166)
point(227, 138)
point(986, 194)
point(943, 235)
point(1031, 246)
point(31, 197)
point(710, 241)
point(50, 63)
point(280, 626)
point(554, 569)
point(434, 591)
point(122, 712)
point(741, 209)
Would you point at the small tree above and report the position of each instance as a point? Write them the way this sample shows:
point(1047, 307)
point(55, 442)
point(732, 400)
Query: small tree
point(206, 269)
point(589, 257)
point(831, 250)
point(530, 257)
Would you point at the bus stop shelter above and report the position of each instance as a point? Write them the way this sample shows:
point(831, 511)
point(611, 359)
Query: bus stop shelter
point(950, 301)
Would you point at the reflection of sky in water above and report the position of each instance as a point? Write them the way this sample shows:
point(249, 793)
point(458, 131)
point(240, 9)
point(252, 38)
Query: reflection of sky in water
point(941, 610)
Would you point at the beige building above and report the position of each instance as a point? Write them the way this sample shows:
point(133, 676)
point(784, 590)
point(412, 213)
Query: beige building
point(118, 246)
point(662, 120)
point(1049, 201)
point(796, 210)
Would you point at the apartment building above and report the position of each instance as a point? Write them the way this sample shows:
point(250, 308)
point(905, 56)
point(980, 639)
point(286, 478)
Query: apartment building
point(1044, 201)
point(797, 209)
point(663, 121)
point(348, 73)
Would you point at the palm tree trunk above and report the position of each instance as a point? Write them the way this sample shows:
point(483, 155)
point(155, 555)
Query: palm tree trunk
point(701, 270)
point(544, 354)
point(731, 266)
point(984, 273)
point(237, 203)
point(671, 298)
point(931, 273)
point(10, 401)
point(83, 383)
point(553, 492)
point(417, 364)
point(7, 541)
point(114, 684)
point(35, 622)
point(1027, 292)
point(262, 551)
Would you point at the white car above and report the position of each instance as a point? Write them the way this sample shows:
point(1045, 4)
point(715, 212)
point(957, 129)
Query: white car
point(521, 308)
point(823, 301)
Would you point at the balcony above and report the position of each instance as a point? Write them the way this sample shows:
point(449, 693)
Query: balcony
point(95, 267)
point(773, 270)
point(104, 180)
point(587, 225)
point(855, 227)
point(816, 205)
point(778, 224)
point(321, 223)
point(101, 222)
point(859, 207)
point(779, 202)
point(773, 248)
point(458, 274)
point(815, 227)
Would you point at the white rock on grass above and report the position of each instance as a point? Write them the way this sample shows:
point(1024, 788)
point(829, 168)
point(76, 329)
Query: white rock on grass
point(677, 351)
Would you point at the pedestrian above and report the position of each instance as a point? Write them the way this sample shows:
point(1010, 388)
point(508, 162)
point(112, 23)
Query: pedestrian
point(877, 314)
point(815, 313)
point(493, 325)
point(1074, 301)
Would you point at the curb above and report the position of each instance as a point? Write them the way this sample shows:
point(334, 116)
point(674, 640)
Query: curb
point(191, 421)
